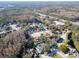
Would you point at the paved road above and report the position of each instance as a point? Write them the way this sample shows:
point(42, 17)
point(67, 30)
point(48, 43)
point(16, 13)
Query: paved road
point(74, 23)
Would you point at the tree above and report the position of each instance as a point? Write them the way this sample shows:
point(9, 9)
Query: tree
point(63, 47)
point(47, 22)
point(12, 44)
point(2, 20)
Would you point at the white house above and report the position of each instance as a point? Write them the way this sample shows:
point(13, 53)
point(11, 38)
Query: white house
point(15, 27)
point(2, 32)
point(59, 23)
point(38, 34)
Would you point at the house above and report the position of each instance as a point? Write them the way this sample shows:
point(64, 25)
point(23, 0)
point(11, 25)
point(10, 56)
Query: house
point(45, 56)
point(3, 28)
point(57, 32)
point(58, 23)
point(2, 33)
point(15, 27)
point(42, 16)
point(33, 20)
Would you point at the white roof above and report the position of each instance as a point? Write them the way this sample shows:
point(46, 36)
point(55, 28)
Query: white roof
point(45, 56)
point(2, 32)
point(13, 26)
point(38, 34)
point(59, 23)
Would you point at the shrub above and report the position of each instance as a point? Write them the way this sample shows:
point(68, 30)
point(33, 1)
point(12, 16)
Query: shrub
point(63, 47)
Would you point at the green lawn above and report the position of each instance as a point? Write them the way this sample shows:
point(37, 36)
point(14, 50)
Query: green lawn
point(57, 56)
point(71, 56)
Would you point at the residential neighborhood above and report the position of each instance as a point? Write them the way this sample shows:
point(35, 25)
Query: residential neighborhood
point(38, 31)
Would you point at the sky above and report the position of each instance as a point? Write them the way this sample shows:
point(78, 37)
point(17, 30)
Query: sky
point(39, 0)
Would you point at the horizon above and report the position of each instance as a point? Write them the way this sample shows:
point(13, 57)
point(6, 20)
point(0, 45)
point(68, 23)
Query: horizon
point(39, 0)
